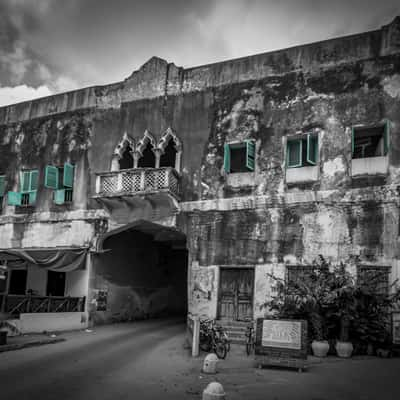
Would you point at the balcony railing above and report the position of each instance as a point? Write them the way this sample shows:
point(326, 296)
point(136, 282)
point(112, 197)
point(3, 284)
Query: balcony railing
point(18, 304)
point(137, 181)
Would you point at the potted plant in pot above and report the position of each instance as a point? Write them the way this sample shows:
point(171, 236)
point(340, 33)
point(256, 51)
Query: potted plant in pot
point(342, 308)
point(372, 324)
point(304, 298)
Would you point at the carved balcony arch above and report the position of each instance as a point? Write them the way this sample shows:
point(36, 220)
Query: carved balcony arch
point(119, 151)
point(147, 139)
point(164, 141)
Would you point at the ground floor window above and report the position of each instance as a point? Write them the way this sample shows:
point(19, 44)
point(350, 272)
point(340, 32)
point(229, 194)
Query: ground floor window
point(17, 283)
point(55, 283)
point(298, 273)
point(376, 277)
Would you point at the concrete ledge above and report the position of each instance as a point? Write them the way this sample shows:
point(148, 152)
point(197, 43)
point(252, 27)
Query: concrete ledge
point(52, 322)
point(302, 174)
point(369, 166)
point(32, 343)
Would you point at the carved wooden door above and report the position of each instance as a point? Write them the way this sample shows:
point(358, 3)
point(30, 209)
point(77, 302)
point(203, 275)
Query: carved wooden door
point(236, 293)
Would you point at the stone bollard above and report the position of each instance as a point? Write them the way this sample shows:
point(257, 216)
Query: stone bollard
point(210, 364)
point(213, 391)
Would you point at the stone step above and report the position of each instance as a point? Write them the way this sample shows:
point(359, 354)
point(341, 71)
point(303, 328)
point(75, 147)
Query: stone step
point(224, 322)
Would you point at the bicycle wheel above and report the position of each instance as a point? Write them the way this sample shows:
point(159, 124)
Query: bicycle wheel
point(220, 350)
point(205, 342)
point(227, 345)
point(248, 348)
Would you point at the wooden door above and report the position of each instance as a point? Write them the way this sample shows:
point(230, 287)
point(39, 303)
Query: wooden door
point(236, 293)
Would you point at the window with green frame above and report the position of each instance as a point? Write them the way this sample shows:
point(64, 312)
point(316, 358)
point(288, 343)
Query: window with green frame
point(370, 141)
point(61, 180)
point(302, 152)
point(239, 157)
point(28, 184)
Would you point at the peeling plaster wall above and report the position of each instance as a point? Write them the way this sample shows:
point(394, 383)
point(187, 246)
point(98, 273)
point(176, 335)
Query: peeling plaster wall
point(239, 219)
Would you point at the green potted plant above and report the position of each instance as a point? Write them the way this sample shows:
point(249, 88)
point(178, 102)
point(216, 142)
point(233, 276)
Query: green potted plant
point(342, 308)
point(304, 298)
point(373, 313)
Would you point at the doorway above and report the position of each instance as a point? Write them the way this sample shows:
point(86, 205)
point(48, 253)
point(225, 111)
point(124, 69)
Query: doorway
point(236, 288)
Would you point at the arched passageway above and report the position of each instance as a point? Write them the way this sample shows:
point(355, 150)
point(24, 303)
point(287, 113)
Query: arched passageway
point(141, 274)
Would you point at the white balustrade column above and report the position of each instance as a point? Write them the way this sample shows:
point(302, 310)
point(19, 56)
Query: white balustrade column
point(142, 180)
point(98, 184)
point(119, 182)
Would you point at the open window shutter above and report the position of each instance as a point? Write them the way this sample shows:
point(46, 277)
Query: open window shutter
point(59, 196)
point(51, 177)
point(34, 180)
point(68, 175)
point(312, 149)
point(2, 185)
point(25, 181)
point(386, 138)
point(227, 158)
point(32, 197)
point(352, 141)
point(294, 150)
point(250, 154)
point(14, 198)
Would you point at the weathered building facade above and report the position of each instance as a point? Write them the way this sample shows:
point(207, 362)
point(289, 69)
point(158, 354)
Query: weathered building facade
point(181, 189)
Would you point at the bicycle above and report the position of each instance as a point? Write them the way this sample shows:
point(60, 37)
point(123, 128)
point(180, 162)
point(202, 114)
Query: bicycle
point(250, 341)
point(223, 335)
point(211, 340)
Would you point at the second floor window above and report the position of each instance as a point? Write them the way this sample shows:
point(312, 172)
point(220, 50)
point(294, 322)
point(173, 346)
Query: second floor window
point(239, 157)
point(61, 180)
point(371, 141)
point(26, 196)
point(302, 152)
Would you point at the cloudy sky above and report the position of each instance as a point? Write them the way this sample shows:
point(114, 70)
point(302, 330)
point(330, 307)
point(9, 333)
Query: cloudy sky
point(50, 46)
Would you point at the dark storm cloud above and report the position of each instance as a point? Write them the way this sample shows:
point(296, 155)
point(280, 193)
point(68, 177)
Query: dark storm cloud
point(71, 43)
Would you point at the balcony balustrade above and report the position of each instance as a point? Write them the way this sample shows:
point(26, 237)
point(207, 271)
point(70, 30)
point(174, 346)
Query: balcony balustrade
point(137, 181)
point(18, 304)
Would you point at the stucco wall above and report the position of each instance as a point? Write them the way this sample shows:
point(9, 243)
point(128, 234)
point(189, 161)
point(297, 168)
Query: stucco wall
point(258, 218)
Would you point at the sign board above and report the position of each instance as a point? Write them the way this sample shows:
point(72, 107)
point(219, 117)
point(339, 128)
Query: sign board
point(396, 327)
point(281, 334)
point(281, 342)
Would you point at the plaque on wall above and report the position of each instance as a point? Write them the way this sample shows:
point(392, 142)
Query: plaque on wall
point(102, 300)
point(281, 342)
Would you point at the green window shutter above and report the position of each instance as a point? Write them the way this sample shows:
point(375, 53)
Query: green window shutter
point(386, 138)
point(25, 181)
point(51, 177)
point(59, 196)
point(2, 185)
point(29, 181)
point(68, 175)
point(250, 154)
point(294, 150)
point(227, 158)
point(312, 149)
point(32, 197)
point(34, 180)
point(14, 198)
point(352, 141)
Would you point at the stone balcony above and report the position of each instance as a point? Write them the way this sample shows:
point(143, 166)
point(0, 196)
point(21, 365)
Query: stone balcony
point(148, 192)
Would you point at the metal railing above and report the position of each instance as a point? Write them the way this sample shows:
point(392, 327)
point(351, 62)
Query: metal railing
point(137, 181)
point(17, 304)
